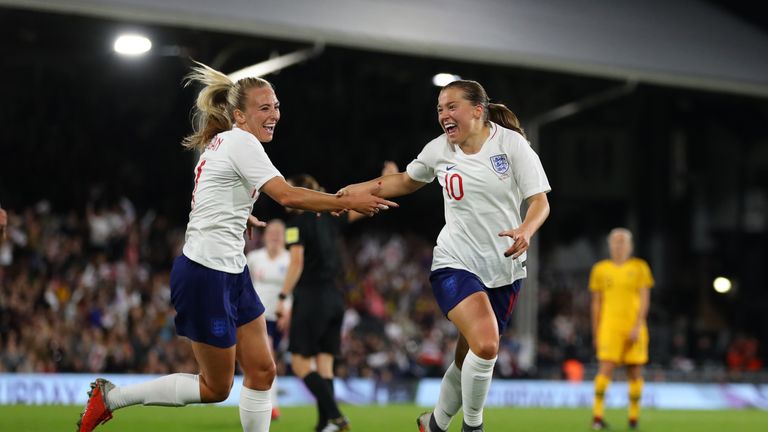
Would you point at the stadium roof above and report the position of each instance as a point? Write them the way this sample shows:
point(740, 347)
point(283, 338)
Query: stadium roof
point(682, 43)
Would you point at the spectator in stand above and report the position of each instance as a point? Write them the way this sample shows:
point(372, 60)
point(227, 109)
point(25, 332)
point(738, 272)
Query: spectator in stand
point(742, 355)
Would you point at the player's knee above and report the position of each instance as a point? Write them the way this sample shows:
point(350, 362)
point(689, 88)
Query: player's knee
point(263, 374)
point(270, 371)
point(486, 348)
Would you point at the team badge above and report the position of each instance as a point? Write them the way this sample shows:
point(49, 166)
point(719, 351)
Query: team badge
point(500, 163)
point(218, 327)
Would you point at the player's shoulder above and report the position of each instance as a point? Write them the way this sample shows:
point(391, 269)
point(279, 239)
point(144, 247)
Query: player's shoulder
point(602, 265)
point(438, 144)
point(508, 138)
point(639, 262)
point(237, 137)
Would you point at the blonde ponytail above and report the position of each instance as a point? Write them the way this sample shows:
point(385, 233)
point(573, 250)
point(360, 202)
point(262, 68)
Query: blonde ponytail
point(211, 112)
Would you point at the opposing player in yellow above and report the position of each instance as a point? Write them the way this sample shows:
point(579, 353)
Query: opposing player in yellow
point(620, 289)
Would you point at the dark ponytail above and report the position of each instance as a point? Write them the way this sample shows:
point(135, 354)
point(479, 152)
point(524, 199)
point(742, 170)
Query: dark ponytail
point(497, 113)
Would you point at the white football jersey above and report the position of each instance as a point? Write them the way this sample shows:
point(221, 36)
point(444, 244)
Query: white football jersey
point(228, 177)
point(268, 275)
point(482, 193)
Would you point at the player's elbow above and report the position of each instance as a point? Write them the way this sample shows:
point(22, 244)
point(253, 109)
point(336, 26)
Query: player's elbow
point(409, 185)
point(541, 202)
point(289, 197)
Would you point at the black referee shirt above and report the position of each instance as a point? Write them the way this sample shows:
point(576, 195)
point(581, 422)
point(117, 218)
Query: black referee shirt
point(320, 236)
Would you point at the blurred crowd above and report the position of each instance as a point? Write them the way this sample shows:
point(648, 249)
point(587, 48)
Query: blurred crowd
point(88, 291)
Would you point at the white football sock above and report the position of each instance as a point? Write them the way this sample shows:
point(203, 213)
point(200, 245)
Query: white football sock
point(255, 410)
point(476, 375)
point(171, 390)
point(449, 401)
point(273, 392)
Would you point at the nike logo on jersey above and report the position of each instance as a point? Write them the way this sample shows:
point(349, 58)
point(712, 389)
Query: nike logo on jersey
point(450, 167)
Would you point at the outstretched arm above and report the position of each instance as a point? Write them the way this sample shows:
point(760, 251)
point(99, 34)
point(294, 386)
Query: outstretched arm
point(364, 200)
point(391, 185)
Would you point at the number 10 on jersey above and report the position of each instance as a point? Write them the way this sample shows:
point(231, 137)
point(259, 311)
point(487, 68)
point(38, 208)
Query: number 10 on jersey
point(454, 186)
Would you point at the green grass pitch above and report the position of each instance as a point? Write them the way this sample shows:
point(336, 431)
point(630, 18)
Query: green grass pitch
point(376, 419)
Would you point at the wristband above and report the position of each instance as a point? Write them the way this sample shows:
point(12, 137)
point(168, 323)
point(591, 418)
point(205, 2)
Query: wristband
point(282, 296)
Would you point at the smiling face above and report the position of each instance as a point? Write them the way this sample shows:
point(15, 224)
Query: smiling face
point(260, 114)
point(458, 117)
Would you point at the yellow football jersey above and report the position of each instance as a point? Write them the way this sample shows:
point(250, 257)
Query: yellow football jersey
point(620, 287)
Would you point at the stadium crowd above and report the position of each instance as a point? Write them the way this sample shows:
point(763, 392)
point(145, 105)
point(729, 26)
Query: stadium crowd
point(90, 294)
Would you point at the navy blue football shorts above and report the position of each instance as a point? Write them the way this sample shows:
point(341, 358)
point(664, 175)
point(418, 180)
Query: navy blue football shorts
point(451, 286)
point(211, 304)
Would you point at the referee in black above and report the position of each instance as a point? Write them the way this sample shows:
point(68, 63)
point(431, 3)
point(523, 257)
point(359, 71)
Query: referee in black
point(318, 306)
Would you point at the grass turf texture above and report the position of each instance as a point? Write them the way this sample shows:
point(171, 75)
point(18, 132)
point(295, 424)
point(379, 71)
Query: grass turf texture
point(376, 419)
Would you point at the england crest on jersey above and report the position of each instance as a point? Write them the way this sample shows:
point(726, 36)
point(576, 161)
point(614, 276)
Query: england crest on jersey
point(500, 163)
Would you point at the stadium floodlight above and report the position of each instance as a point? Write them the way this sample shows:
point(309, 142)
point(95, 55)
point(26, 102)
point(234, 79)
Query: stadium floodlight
point(132, 44)
point(722, 284)
point(443, 79)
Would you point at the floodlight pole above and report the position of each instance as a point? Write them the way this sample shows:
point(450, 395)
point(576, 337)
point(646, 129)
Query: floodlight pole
point(526, 311)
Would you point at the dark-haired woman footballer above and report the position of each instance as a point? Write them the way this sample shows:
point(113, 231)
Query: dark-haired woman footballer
point(486, 169)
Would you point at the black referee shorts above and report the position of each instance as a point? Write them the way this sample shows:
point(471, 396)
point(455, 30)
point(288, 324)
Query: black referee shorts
point(316, 320)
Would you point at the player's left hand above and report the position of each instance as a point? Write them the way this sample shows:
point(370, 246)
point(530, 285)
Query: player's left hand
point(634, 334)
point(284, 320)
point(283, 312)
point(521, 240)
point(253, 221)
